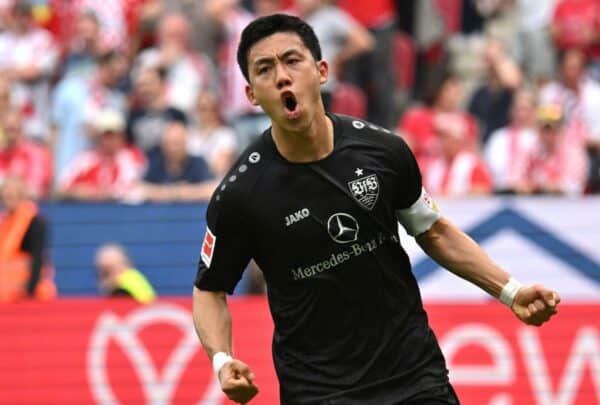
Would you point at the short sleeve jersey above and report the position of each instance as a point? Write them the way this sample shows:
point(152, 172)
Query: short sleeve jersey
point(346, 307)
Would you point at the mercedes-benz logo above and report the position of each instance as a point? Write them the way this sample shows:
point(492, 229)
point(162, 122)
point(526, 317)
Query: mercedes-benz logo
point(342, 228)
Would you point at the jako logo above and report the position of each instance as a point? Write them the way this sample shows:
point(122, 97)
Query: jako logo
point(158, 386)
point(297, 216)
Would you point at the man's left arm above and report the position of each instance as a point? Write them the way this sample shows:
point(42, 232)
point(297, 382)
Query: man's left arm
point(453, 249)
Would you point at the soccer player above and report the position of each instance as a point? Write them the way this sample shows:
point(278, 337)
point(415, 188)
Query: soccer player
point(315, 202)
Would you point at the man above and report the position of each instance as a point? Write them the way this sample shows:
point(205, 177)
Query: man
point(315, 202)
point(118, 277)
point(28, 58)
point(458, 170)
point(22, 157)
point(555, 164)
point(23, 272)
point(77, 101)
point(507, 150)
point(149, 118)
point(173, 174)
point(109, 170)
point(187, 72)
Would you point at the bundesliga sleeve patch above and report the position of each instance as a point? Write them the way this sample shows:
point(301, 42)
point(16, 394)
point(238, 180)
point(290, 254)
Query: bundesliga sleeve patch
point(208, 247)
point(420, 216)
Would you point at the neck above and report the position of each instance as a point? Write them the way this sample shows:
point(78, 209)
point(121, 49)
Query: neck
point(175, 166)
point(310, 145)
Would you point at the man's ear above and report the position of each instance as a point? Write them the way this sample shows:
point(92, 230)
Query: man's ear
point(250, 95)
point(323, 68)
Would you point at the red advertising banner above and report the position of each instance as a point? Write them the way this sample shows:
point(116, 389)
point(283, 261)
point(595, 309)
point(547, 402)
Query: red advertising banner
point(85, 351)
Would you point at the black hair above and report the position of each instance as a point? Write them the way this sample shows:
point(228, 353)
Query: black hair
point(268, 25)
point(562, 55)
point(436, 83)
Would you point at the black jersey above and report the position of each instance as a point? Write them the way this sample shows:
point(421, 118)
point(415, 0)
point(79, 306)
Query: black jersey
point(348, 315)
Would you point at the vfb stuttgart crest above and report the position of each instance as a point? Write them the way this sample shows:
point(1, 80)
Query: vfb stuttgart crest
point(365, 190)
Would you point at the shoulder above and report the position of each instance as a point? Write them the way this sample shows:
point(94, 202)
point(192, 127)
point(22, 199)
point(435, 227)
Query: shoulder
point(371, 135)
point(236, 187)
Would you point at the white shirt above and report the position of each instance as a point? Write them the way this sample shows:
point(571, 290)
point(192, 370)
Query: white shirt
point(506, 154)
point(579, 108)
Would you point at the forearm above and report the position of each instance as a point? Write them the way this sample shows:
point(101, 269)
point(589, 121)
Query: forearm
point(212, 321)
point(457, 252)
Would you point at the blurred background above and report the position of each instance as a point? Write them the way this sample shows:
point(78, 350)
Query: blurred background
point(118, 118)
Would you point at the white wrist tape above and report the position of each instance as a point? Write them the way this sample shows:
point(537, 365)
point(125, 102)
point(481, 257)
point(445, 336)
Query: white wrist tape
point(219, 360)
point(509, 291)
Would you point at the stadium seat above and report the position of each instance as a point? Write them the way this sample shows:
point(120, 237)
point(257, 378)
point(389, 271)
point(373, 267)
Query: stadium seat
point(451, 13)
point(350, 100)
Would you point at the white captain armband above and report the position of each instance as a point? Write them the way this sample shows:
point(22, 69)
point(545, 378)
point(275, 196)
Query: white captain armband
point(420, 216)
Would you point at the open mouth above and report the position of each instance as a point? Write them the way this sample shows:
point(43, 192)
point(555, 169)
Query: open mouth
point(289, 101)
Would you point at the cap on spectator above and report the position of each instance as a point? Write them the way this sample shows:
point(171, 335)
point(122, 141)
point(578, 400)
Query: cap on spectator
point(550, 115)
point(108, 120)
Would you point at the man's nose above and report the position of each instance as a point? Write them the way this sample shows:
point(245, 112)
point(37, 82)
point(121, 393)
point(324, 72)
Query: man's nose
point(283, 78)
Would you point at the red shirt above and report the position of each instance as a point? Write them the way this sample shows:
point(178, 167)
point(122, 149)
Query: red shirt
point(573, 18)
point(31, 162)
point(116, 174)
point(377, 13)
point(418, 126)
point(465, 174)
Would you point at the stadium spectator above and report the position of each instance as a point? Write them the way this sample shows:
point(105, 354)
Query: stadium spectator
point(109, 170)
point(187, 72)
point(85, 47)
point(534, 48)
point(151, 114)
point(174, 175)
point(443, 95)
point(111, 15)
point(247, 120)
point(118, 277)
point(202, 34)
point(490, 103)
point(210, 138)
point(556, 164)
point(508, 148)
point(76, 102)
point(576, 24)
point(458, 171)
point(575, 91)
point(22, 157)
point(340, 36)
point(578, 95)
point(28, 58)
point(373, 70)
point(24, 270)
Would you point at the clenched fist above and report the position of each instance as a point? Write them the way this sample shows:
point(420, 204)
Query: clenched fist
point(237, 381)
point(535, 304)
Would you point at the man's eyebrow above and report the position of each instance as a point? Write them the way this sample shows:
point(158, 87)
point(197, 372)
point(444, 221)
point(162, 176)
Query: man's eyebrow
point(269, 59)
point(263, 59)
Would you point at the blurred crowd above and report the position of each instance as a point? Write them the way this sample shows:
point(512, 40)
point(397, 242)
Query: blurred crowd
point(142, 100)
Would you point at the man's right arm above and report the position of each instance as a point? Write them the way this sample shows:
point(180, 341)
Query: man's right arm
point(212, 321)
